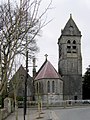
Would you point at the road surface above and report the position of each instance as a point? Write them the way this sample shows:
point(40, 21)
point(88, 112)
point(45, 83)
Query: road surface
point(55, 114)
point(71, 114)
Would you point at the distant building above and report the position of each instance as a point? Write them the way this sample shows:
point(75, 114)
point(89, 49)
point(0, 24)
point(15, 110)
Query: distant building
point(70, 60)
point(48, 84)
point(17, 84)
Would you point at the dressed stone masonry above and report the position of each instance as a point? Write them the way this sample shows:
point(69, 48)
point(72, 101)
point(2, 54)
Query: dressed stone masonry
point(48, 84)
point(70, 60)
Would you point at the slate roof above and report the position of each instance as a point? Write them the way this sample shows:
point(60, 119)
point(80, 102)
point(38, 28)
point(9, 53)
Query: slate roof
point(21, 71)
point(47, 71)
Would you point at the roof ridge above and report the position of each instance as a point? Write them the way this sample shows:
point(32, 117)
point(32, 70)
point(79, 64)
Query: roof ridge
point(47, 70)
point(41, 67)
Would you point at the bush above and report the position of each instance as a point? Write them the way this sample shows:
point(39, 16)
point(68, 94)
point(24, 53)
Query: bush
point(19, 98)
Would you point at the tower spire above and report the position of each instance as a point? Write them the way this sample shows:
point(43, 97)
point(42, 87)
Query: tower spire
point(70, 60)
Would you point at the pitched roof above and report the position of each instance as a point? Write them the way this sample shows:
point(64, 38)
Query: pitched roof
point(47, 71)
point(21, 71)
point(71, 28)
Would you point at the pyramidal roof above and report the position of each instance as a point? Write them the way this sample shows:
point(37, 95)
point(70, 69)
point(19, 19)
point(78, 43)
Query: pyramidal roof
point(47, 71)
point(71, 28)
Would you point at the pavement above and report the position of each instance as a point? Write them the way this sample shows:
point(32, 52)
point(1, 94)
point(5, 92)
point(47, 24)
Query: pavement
point(32, 114)
point(46, 114)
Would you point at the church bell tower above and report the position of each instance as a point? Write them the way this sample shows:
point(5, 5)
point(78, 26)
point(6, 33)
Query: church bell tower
point(70, 60)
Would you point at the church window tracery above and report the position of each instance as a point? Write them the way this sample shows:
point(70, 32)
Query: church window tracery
point(61, 87)
point(71, 47)
point(74, 42)
point(53, 86)
point(69, 42)
point(68, 49)
point(39, 87)
point(48, 86)
point(74, 47)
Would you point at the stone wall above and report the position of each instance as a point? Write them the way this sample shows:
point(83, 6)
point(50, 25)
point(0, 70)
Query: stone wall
point(7, 110)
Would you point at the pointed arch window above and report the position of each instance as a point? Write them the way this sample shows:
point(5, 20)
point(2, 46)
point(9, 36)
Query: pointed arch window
point(53, 86)
point(68, 49)
point(69, 42)
point(39, 87)
point(61, 87)
point(74, 47)
point(48, 86)
point(69, 46)
point(74, 42)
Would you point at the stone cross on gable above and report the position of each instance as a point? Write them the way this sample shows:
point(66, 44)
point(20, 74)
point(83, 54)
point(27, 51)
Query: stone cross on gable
point(46, 56)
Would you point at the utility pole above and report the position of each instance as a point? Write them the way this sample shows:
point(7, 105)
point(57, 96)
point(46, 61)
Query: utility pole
point(25, 90)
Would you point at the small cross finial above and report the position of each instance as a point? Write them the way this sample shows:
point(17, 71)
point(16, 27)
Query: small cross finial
point(46, 56)
point(70, 15)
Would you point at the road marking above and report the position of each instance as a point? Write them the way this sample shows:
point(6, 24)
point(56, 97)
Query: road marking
point(53, 116)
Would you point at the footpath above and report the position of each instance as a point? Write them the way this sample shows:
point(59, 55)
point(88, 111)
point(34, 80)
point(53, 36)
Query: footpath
point(32, 114)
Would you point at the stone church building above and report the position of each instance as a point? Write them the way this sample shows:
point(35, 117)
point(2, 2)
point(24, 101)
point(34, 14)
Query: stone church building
point(70, 60)
point(67, 82)
point(48, 84)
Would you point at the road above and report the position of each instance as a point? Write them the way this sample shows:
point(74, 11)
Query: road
point(71, 114)
point(55, 114)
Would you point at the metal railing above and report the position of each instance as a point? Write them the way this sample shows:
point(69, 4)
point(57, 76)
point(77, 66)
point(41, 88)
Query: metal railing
point(63, 103)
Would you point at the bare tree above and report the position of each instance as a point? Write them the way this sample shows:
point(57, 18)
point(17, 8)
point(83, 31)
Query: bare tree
point(15, 85)
point(19, 26)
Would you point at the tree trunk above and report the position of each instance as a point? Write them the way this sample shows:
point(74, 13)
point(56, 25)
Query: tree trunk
point(16, 106)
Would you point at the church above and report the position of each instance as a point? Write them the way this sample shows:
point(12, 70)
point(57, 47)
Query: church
point(48, 84)
point(70, 60)
point(66, 84)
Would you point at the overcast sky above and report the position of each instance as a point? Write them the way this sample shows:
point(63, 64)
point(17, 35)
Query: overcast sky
point(47, 43)
point(80, 10)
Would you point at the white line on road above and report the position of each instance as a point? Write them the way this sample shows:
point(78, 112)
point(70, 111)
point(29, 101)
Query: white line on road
point(53, 116)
